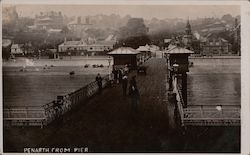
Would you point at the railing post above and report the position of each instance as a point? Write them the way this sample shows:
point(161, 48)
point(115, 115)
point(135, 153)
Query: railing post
point(184, 89)
point(170, 81)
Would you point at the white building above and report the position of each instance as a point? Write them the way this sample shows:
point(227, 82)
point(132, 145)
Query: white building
point(17, 49)
point(83, 48)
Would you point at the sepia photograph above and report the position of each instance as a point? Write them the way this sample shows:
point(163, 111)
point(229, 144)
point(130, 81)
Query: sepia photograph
point(121, 78)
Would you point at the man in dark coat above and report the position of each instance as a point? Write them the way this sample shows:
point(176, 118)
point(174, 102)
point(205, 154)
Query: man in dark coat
point(115, 72)
point(124, 84)
point(134, 94)
point(99, 83)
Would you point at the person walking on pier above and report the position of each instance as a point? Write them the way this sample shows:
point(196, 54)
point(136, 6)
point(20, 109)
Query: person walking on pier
point(120, 75)
point(124, 84)
point(134, 94)
point(115, 72)
point(99, 83)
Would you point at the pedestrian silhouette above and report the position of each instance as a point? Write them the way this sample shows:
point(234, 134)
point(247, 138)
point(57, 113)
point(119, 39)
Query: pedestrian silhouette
point(134, 94)
point(99, 83)
point(124, 84)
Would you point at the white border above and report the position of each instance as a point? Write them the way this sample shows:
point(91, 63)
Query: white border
point(245, 45)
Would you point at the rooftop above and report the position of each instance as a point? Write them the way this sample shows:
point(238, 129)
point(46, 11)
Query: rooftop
point(179, 50)
point(124, 50)
point(167, 40)
point(142, 48)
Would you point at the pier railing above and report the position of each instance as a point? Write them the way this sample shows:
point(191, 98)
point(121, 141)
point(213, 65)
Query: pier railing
point(23, 116)
point(205, 115)
point(43, 115)
point(212, 115)
point(180, 101)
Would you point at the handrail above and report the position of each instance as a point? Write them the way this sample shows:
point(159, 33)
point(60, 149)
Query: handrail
point(179, 100)
point(53, 109)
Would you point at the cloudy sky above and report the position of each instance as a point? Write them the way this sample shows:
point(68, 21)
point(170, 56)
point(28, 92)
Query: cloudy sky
point(145, 11)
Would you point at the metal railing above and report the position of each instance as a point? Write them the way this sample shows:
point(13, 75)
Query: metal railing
point(180, 101)
point(212, 115)
point(205, 115)
point(43, 115)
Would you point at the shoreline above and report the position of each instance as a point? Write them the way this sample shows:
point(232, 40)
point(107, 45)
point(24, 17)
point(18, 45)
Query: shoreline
point(73, 61)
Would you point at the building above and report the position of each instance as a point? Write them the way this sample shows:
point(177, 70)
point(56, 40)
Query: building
point(17, 50)
point(188, 37)
point(167, 42)
point(126, 56)
point(145, 52)
point(215, 46)
point(78, 27)
point(82, 47)
point(49, 20)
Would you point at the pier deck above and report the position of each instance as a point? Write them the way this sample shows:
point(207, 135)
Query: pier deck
point(107, 124)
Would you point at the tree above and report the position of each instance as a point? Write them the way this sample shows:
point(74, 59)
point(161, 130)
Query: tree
point(134, 27)
point(228, 18)
point(65, 31)
point(134, 34)
point(135, 41)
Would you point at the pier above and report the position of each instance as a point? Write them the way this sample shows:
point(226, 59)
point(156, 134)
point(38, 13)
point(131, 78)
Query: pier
point(106, 122)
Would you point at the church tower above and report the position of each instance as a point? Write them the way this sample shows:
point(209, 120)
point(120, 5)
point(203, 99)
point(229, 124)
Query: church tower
point(187, 38)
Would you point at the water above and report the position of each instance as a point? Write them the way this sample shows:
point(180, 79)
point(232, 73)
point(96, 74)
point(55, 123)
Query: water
point(214, 85)
point(37, 86)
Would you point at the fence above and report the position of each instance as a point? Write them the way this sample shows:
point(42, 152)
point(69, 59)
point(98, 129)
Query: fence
point(179, 102)
point(204, 115)
point(40, 116)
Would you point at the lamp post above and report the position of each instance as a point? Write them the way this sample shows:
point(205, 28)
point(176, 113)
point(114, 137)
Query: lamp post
point(109, 61)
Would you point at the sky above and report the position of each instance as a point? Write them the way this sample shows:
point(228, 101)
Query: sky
point(144, 11)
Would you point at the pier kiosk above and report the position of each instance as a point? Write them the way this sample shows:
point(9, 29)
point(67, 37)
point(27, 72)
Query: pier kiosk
point(125, 56)
point(177, 62)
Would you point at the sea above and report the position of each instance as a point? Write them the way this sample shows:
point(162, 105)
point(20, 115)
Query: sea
point(40, 84)
point(213, 83)
point(28, 82)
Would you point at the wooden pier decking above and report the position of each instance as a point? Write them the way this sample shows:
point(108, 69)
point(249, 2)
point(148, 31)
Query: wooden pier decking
point(107, 124)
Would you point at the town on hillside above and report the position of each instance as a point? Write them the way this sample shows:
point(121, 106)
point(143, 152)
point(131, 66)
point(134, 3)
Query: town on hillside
point(55, 35)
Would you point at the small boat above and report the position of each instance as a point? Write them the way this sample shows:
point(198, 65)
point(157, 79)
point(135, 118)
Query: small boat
point(86, 66)
point(72, 73)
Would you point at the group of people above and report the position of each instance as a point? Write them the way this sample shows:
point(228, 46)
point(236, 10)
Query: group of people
point(121, 76)
point(117, 74)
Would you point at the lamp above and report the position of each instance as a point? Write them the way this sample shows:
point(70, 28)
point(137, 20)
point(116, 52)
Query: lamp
point(175, 67)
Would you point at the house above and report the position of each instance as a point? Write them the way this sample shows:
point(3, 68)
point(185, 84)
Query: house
point(83, 47)
point(48, 20)
point(215, 46)
point(17, 50)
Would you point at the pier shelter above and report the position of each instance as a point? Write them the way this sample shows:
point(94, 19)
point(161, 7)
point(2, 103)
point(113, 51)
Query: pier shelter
point(126, 55)
point(178, 67)
point(146, 53)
